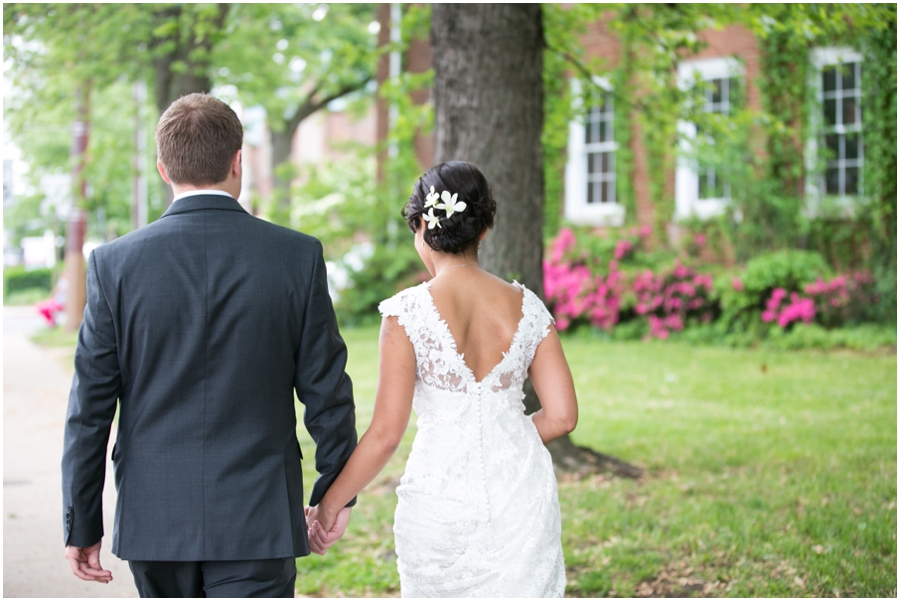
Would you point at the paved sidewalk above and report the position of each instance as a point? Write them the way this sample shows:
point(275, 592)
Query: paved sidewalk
point(35, 394)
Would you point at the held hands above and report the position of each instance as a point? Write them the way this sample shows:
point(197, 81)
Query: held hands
point(325, 530)
point(85, 563)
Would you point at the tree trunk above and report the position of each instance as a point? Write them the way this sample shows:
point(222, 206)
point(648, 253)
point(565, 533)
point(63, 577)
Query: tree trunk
point(489, 111)
point(282, 143)
point(191, 52)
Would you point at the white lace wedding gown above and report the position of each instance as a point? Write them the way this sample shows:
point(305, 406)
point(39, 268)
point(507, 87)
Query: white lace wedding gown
point(477, 512)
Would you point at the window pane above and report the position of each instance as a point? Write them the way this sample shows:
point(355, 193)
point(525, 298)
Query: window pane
point(717, 90)
point(589, 132)
point(590, 163)
point(832, 179)
point(832, 144)
point(703, 191)
point(849, 111)
point(851, 146)
point(851, 180)
point(830, 112)
point(604, 166)
point(611, 191)
point(848, 76)
point(603, 192)
point(611, 163)
point(590, 193)
point(603, 137)
point(829, 79)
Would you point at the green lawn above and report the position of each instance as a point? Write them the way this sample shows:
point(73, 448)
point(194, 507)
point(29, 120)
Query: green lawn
point(768, 474)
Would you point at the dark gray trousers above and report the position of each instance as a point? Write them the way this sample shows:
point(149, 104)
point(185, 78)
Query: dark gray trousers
point(255, 578)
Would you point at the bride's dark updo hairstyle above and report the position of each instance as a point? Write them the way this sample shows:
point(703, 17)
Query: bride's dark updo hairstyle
point(459, 232)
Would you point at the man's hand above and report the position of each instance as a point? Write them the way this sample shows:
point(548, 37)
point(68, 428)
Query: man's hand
point(85, 563)
point(322, 534)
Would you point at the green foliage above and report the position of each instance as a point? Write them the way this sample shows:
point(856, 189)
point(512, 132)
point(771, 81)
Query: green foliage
point(287, 56)
point(386, 272)
point(743, 304)
point(17, 279)
point(879, 45)
point(867, 337)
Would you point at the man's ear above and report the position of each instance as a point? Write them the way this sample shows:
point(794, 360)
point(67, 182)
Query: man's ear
point(162, 172)
point(236, 167)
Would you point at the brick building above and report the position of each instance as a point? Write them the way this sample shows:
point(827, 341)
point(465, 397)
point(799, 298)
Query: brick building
point(731, 56)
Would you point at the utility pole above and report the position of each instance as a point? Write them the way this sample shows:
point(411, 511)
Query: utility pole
point(76, 293)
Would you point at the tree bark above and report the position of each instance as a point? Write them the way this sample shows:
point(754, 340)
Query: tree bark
point(489, 111)
point(282, 141)
point(189, 50)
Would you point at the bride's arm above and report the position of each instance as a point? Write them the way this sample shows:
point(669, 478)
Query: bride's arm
point(393, 403)
point(553, 384)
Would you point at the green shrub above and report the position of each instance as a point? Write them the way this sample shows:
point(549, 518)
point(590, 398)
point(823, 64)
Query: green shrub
point(868, 337)
point(17, 279)
point(743, 298)
point(386, 272)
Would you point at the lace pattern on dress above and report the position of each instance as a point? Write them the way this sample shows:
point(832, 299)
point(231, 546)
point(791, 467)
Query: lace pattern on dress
point(439, 363)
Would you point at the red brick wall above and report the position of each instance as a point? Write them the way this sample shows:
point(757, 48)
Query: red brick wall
point(732, 40)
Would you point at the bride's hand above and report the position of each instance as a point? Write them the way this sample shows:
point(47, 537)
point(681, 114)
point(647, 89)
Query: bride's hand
point(322, 534)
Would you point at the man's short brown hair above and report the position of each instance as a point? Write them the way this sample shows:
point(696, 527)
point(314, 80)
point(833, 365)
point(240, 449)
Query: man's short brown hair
point(196, 139)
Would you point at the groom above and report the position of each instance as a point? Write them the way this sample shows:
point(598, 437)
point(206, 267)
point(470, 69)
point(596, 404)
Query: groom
point(199, 328)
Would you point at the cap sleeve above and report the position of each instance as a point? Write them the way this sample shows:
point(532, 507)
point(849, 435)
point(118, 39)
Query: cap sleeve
point(391, 307)
point(539, 316)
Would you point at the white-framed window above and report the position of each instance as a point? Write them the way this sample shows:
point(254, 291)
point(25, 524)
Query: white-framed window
point(700, 190)
point(591, 168)
point(836, 129)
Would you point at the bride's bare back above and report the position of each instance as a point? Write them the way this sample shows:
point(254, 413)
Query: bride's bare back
point(482, 313)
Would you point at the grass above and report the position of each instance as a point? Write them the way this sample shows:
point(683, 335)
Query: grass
point(769, 473)
point(28, 296)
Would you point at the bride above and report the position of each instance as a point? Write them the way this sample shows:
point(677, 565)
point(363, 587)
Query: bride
point(477, 511)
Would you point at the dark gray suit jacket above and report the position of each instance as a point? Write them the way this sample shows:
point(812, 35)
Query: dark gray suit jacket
point(202, 325)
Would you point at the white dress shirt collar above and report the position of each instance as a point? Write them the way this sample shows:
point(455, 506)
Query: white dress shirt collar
point(204, 192)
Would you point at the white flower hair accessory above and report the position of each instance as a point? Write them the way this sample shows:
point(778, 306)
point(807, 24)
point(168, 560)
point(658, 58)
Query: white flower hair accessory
point(450, 205)
point(431, 198)
point(432, 219)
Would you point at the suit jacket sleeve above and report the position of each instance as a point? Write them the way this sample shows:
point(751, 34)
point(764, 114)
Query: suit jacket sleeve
point(323, 386)
point(92, 404)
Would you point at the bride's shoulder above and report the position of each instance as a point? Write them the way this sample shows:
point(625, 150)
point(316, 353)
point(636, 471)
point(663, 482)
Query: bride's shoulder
point(400, 302)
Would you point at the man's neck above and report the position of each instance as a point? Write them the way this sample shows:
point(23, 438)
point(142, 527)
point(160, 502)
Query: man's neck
point(178, 189)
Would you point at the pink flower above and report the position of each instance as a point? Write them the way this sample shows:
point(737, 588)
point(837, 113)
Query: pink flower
point(622, 248)
point(645, 231)
point(737, 284)
point(700, 240)
point(564, 242)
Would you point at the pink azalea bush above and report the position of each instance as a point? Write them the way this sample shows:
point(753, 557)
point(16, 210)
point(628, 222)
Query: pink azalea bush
point(845, 298)
point(584, 287)
point(670, 298)
point(785, 312)
point(577, 293)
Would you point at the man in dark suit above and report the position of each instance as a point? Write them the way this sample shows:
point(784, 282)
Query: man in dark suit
point(200, 327)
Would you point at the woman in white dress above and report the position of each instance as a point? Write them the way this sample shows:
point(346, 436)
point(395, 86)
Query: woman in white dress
point(477, 513)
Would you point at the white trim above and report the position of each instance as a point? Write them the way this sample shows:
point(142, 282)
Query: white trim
point(842, 204)
point(577, 209)
point(687, 181)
